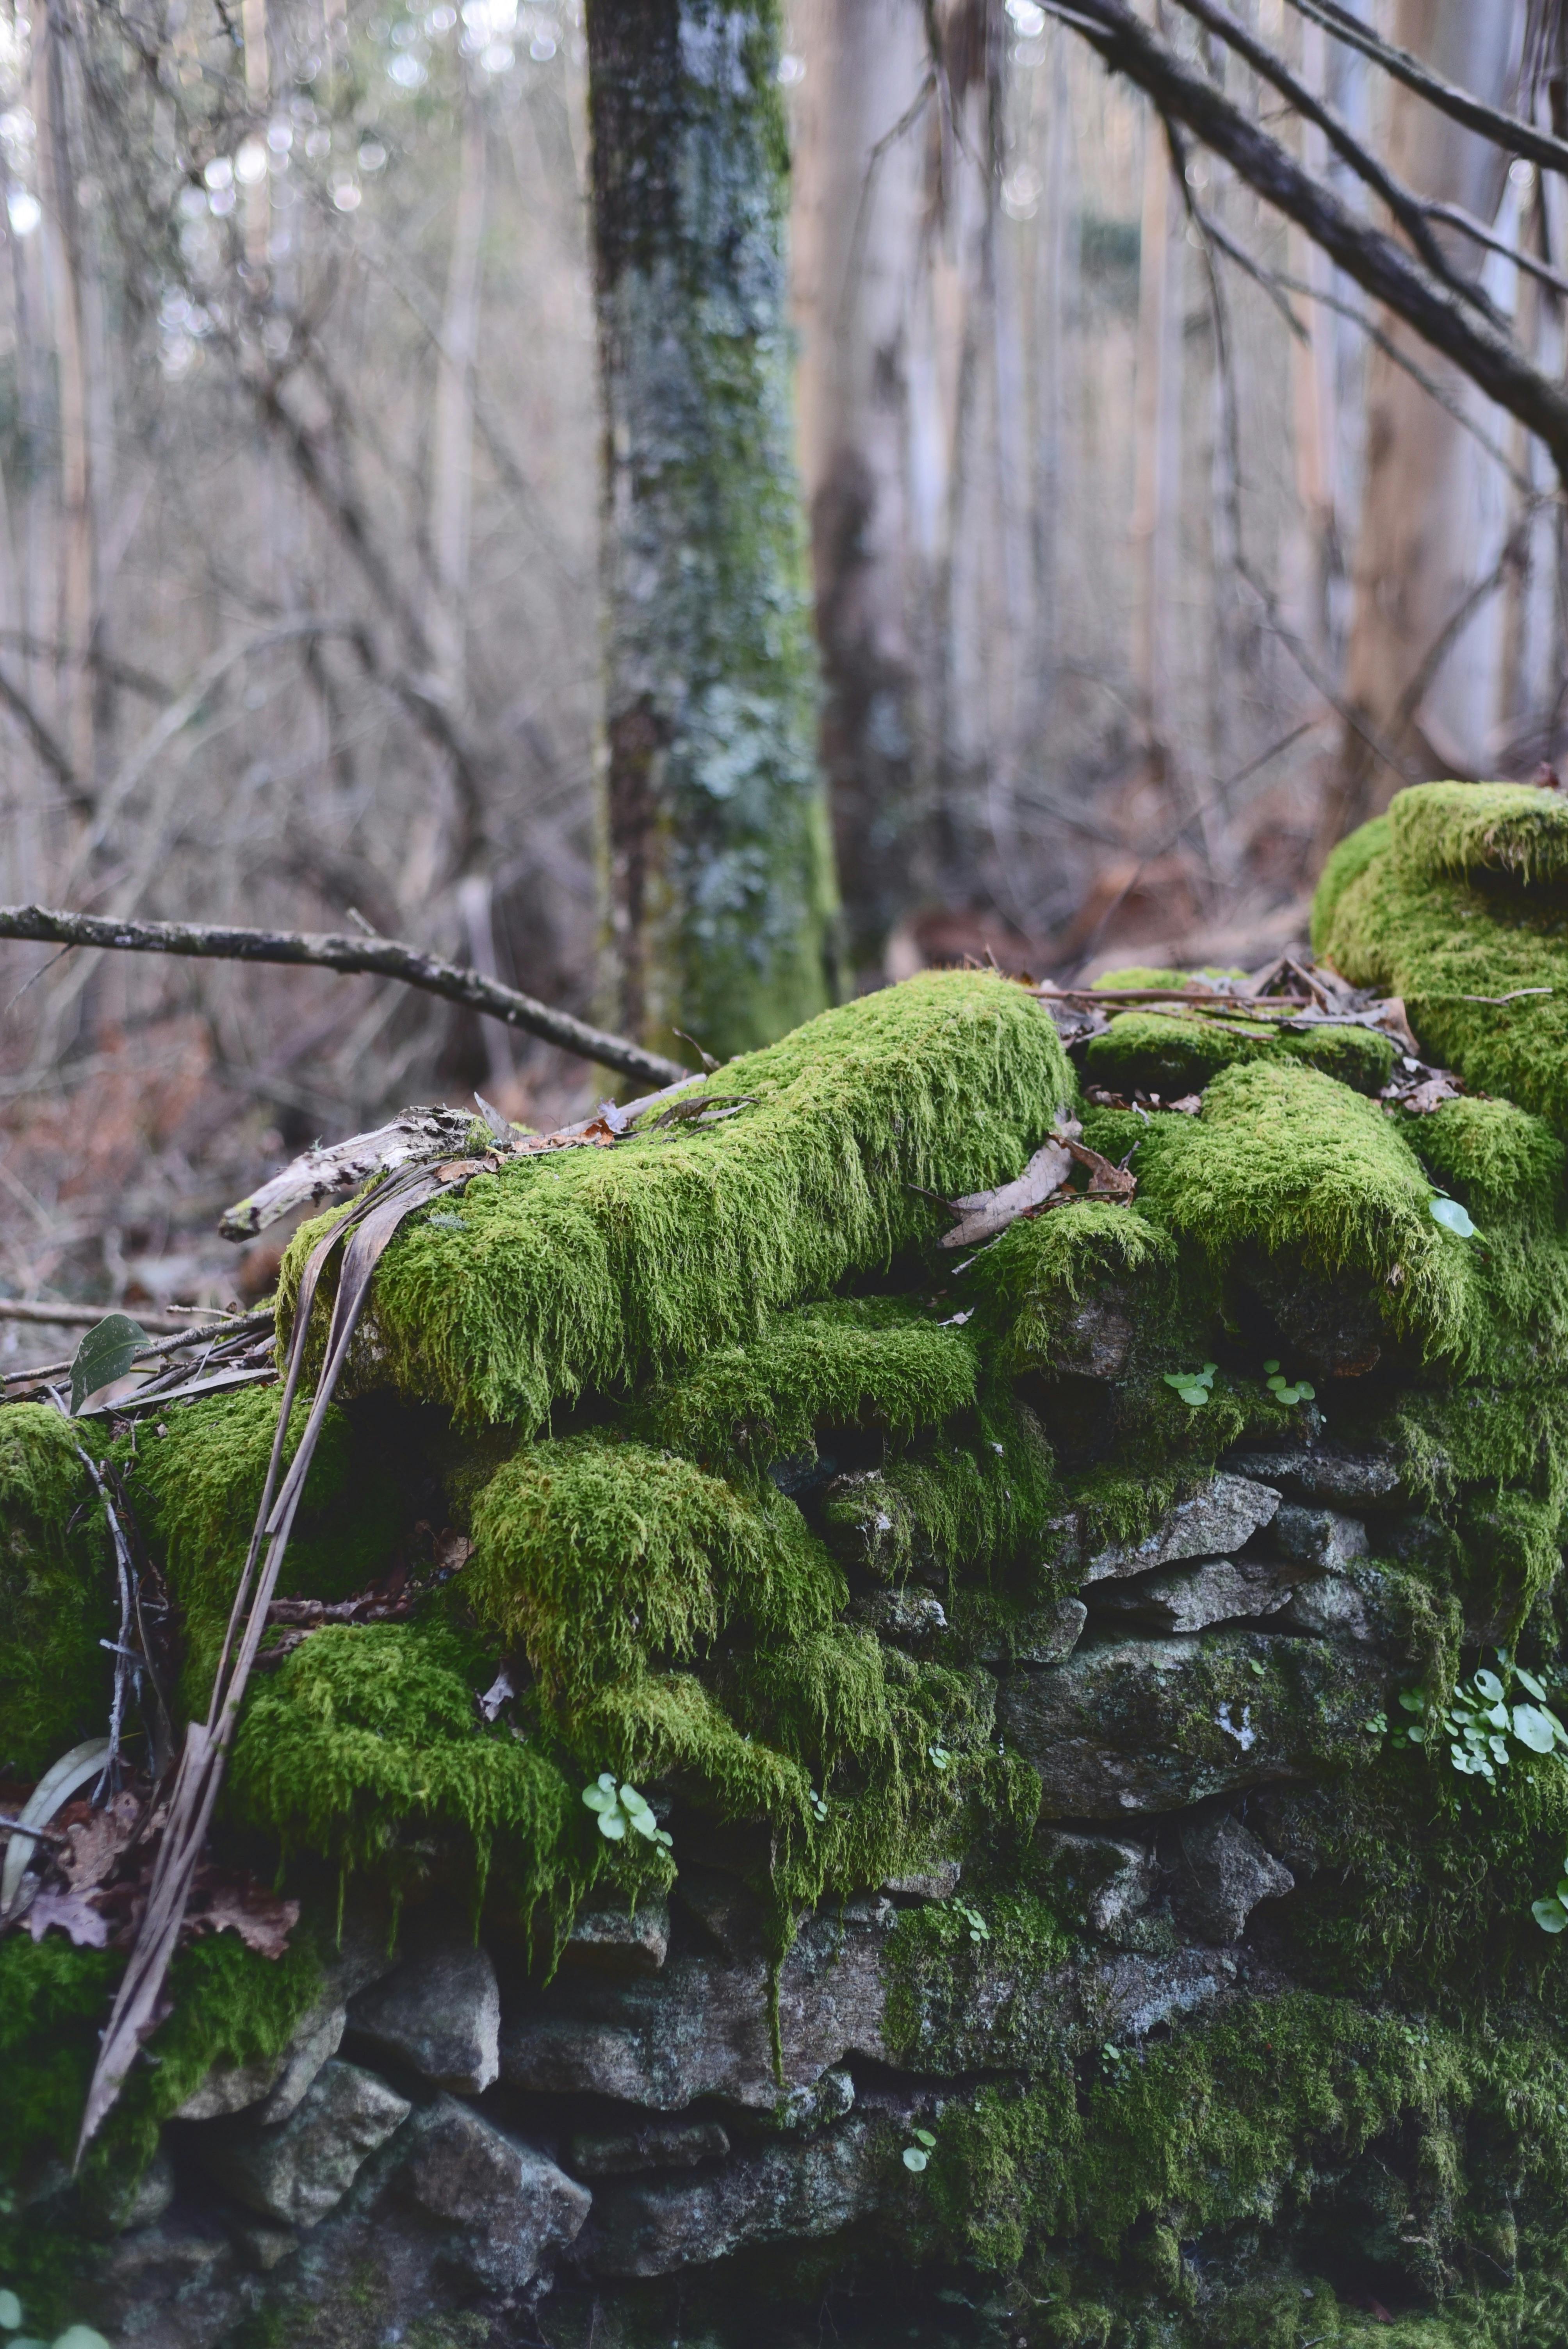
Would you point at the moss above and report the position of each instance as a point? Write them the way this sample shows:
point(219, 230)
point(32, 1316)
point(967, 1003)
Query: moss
point(593, 1556)
point(592, 1268)
point(1285, 1161)
point(1514, 832)
point(955, 2000)
point(1176, 1053)
point(366, 1739)
point(195, 1492)
point(851, 1362)
point(1500, 1160)
point(56, 1593)
point(1440, 945)
point(1032, 1280)
point(959, 1505)
point(1481, 1434)
point(1348, 862)
point(1148, 974)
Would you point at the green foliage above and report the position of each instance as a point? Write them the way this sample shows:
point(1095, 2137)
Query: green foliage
point(56, 1586)
point(851, 1362)
point(1030, 1281)
point(1513, 832)
point(1283, 1160)
point(593, 1267)
point(964, 1506)
point(1173, 1052)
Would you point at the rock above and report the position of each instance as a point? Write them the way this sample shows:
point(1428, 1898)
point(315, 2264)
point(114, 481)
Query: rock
point(909, 1619)
point(157, 2263)
point(1019, 2004)
point(512, 2207)
point(1190, 1598)
point(1323, 1472)
point(276, 2088)
point(1153, 1726)
point(700, 2028)
point(1330, 1608)
point(656, 2145)
point(938, 1882)
point(819, 2106)
point(148, 2199)
point(1220, 1517)
point(1320, 1538)
point(1101, 1881)
point(800, 2190)
point(727, 1909)
point(868, 1526)
point(1042, 1637)
point(1336, 1325)
point(437, 2014)
point(1134, 1995)
point(297, 2170)
point(618, 1941)
point(1225, 1872)
point(265, 2248)
point(1095, 1340)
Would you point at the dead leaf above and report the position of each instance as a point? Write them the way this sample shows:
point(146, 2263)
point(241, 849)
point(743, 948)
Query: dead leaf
point(67, 1912)
point(500, 1691)
point(1188, 1106)
point(263, 1920)
point(94, 1845)
point(1431, 1093)
point(983, 1214)
point(1391, 1017)
point(1105, 1181)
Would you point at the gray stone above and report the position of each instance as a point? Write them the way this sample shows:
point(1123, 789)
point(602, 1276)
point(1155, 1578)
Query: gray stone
point(817, 2106)
point(868, 1526)
point(265, 2248)
point(1225, 1872)
point(1331, 1606)
point(1190, 1598)
point(1136, 1995)
point(1322, 1539)
point(1156, 1724)
point(727, 1909)
point(1044, 1636)
point(909, 1619)
point(148, 2199)
point(1322, 1473)
point(274, 2088)
point(512, 2207)
point(940, 1882)
point(1218, 1517)
point(656, 2145)
point(1020, 2007)
point(618, 1940)
point(1094, 1341)
point(297, 2170)
point(700, 2028)
point(799, 2189)
point(1100, 1881)
point(437, 2014)
point(156, 2263)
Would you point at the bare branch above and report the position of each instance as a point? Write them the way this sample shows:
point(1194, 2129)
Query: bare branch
point(381, 957)
point(1455, 216)
point(1504, 130)
point(1379, 265)
point(87, 1317)
point(45, 743)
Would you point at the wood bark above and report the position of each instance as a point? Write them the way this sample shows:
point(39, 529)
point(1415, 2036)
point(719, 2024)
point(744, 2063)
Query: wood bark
point(714, 827)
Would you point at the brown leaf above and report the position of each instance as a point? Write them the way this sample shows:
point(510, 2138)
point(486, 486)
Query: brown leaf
point(263, 1920)
point(1188, 1106)
point(983, 1214)
point(1430, 1093)
point(94, 1845)
point(452, 1550)
point(67, 1912)
point(1105, 1181)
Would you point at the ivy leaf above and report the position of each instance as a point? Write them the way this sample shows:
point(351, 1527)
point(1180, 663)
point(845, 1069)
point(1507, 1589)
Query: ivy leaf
point(104, 1355)
point(1453, 1218)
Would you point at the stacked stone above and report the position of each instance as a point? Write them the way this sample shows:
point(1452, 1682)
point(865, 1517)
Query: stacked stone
point(1019, 1647)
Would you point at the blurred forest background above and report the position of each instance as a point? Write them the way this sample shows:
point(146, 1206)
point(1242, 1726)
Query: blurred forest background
point(1144, 562)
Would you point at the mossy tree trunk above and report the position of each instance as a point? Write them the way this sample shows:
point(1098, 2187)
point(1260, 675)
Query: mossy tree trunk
point(719, 868)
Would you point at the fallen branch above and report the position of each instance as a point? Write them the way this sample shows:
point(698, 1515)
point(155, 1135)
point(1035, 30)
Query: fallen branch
point(87, 1317)
point(378, 958)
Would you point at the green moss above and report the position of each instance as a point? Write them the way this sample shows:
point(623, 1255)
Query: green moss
point(1440, 945)
point(1175, 1053)
point(56, 1593)
point(1147, 975)
point(1348, 862)
point(956, 2002)
point(366, 1738)
point(593, 1556)
point(1514, 832)
point(962, 1505)
point(1497, 1159)
point(195, 1492)
point(1285, 1161)
point(1041, 1270)
point(851, 1362)
point(595, 1267)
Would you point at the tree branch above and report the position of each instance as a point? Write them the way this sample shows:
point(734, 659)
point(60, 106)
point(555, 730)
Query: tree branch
point(1380, 266)
point(1504, 130)
point(47, 746)
point(381, 957)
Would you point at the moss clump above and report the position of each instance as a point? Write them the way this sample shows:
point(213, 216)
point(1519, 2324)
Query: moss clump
point(367, 1737)
point(195, 1492)
point(594, 1266)
point(1035, 1276)
point(1513, 832)
point(865, 1361)
point(1450, 951)
point(1497, 1159)
point(56, 1586)
point(1175, 1053)
point(596, 1557)
point(957, 2000)
point(1284, 1161)
point(1349, 860)
point(957, 1504)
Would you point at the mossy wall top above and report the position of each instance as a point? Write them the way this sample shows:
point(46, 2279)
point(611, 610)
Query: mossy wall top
point(590, 1268)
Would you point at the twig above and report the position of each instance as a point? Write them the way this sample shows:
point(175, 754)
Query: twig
point(85, 1317)
point(1505, 130)
point(1468, 225)
point(382, 958)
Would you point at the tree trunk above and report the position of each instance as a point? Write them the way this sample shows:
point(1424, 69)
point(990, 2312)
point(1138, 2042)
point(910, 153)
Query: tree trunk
point(720, 881)
point(859, 228)
point(1417, 555)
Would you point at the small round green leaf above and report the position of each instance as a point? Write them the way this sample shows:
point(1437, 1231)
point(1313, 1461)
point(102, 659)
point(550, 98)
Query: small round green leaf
point(613, 1824)
point(1550, 1914)
point(1532, 1728)
point(1453, 1218)
point(914, 2158)
point(10, 2311)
